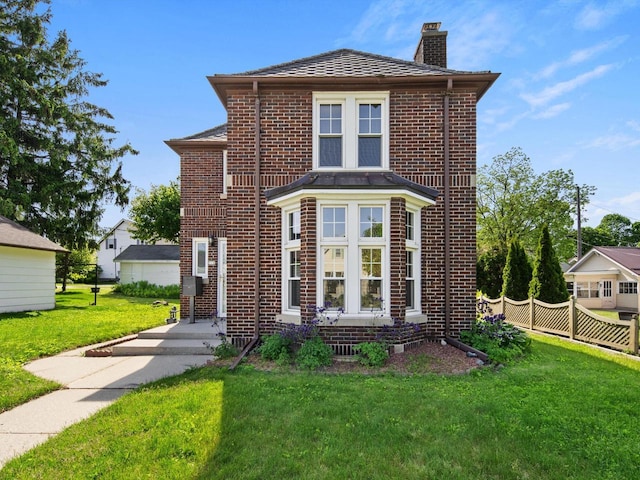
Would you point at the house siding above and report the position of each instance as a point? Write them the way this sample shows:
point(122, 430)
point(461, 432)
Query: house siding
point(27, 279)
point(415, 152)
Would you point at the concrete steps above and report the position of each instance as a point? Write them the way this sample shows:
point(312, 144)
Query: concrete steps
point(180, 338)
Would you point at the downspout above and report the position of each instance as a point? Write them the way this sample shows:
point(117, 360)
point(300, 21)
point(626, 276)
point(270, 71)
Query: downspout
point(256, 182)
point(447, 217)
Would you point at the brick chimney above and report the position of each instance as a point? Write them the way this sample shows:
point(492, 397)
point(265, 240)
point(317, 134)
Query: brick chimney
point(432, 49)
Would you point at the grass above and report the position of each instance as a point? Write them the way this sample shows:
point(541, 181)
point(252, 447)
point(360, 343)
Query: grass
point(565, 412)
point(606, 313)
point(73, 323)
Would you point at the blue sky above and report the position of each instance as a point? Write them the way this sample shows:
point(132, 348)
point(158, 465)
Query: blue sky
point(567, 95)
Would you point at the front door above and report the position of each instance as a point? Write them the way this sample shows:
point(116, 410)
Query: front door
point(606, 294)
point(222, 279)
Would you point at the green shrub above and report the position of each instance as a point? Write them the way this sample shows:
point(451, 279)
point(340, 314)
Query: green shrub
point(275, 348)
point(225, 349)
point(500, 340)
point(313, 354)
point(372, 354)
point(145, 289)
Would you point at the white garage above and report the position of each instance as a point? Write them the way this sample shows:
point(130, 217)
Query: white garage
point(157, 264)
point(27, 269)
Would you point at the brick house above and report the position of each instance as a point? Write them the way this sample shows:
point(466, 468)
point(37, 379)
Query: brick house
point(345, 178)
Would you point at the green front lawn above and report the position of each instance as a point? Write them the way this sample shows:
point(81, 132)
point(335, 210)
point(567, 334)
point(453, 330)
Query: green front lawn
point(565, 412)
point(74, 323)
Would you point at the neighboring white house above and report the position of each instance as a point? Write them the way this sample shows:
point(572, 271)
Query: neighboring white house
point(27, 269)
point(111, 245)
point(116, 241)
point(157, 264)
point(607, 278)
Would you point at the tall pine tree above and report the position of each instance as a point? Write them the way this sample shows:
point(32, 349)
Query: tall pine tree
point(548, 283)
point(58, 164)
point(516, 275)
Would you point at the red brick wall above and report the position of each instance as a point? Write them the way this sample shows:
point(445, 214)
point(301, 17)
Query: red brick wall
point(416, 152)
point(204, 214)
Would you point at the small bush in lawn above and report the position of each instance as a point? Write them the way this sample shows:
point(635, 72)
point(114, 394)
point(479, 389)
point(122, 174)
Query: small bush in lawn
point(313, 354)
point(500, 340)
point(225, 349)
point(372, 354)
point(276, 348)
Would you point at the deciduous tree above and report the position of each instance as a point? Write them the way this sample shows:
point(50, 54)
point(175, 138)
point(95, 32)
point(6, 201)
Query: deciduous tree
point(514, 202)
point(156, 215)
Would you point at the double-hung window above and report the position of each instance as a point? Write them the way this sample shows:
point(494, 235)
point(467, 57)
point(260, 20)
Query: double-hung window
point(412, 275)
point(353, 260)
point(351, 130)
point(292, 259)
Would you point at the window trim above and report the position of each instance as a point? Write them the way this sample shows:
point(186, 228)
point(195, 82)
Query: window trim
point(288, 245)
point(353, 244)
point(629, 287)
point(413, 245)
point(350, 127)
point(195, 241)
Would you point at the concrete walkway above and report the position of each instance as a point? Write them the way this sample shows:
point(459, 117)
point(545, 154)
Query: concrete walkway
point(90, 385)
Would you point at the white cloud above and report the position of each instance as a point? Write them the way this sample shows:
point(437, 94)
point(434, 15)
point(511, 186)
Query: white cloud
point(553, 111)
point(580, 56)
point(615, 141)
point(550, 93)
point(594, 16)
point(627, 206)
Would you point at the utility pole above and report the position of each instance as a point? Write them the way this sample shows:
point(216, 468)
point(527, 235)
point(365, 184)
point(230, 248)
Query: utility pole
point(579, 255)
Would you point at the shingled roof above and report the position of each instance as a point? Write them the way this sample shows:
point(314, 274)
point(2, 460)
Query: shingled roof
point(345, 181)
point(208, 138)
point(13, 234)
point(348, 63)
point(628, 257)
point(354, 68)
point(149, 253)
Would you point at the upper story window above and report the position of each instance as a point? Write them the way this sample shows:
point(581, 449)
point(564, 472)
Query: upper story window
point(351, 130)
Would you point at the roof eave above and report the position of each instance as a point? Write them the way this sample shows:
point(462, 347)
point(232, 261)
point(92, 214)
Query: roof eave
point(180, 146)
point(480, 82)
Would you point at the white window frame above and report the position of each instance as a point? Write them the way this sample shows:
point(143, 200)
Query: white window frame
point(413, 245)
point(199, 270)
point(288, 245)
point(350, 131)
point(627, 288)
point(353, 244)
point(222, 293)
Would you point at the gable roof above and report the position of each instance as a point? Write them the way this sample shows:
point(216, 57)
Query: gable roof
point(352, 67)
point(13, 234)
point(149, 253)
point(114, 228)
point(625, 257)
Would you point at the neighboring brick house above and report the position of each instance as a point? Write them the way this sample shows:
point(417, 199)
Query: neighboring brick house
point(345, 177)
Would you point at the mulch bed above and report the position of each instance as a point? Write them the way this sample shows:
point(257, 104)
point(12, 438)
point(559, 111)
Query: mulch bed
point(427, 358)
